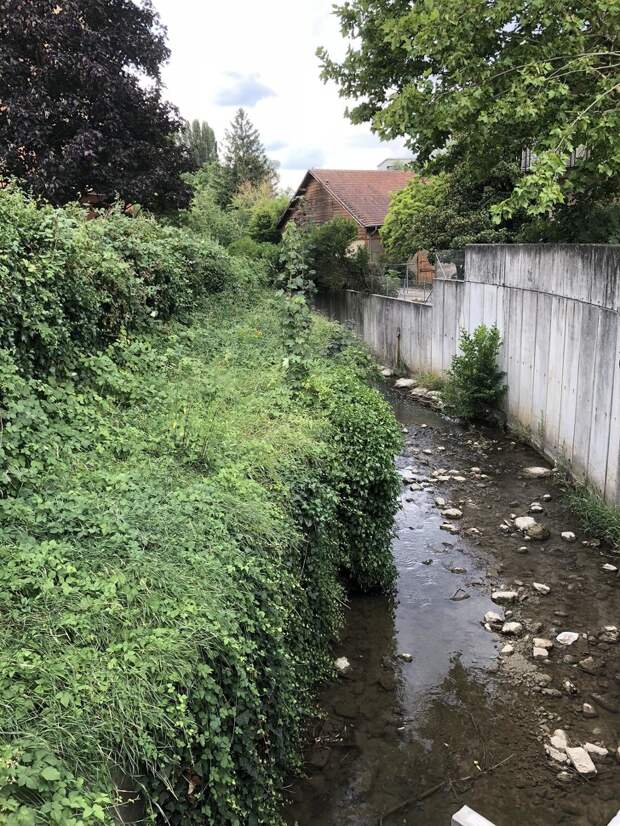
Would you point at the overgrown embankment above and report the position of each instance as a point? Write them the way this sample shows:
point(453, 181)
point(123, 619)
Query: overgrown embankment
point(174, 522)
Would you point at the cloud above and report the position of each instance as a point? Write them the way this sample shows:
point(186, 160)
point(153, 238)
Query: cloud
point(365, 140)
point(243, 90)
point(304, 158)
point(276, 146)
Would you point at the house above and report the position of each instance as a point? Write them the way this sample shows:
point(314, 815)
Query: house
point(395, 163)
point(362, 195)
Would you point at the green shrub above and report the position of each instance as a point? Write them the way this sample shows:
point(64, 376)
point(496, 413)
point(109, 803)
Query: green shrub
point(474, 384)
point(174, 522)
point(69, 285)
point(330, 255)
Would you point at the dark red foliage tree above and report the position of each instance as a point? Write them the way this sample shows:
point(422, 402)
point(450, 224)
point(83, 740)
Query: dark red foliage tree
point(80, 102)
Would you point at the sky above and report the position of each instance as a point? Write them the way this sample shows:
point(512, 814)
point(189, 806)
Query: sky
point(261, 56)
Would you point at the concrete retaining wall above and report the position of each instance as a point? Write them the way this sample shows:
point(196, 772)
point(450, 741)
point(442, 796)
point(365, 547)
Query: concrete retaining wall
point(557, 307)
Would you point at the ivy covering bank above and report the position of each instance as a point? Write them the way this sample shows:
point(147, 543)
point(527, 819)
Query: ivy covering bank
point(175, 522)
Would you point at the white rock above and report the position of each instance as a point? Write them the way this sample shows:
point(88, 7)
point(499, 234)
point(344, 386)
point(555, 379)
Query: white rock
point(540, 653)
point(536, 507)
point(449, 527)
point(512, 628)
point(567, 637)
point(452, 513)
point(608, 567)
point(405, 657)
point(541, 642)
point(385, 371)
point(440, 502)
point(492, 618)
point(556, 754)
point(508, 650)
point(569, 688)
point(522, 523)
point(547, 497)
point(541, 587)
point(568, 536)
point(504, 596)
point(342, 665)
point(537, 472)
point(582, 762)
point(404, 383)
point(589, 711)
point(559, 739)
point(597, 753)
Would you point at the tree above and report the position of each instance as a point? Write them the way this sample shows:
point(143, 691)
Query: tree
point(75, 113)
point(245, 161)
point(448, 211)
point(481, 81)
point(199, 140)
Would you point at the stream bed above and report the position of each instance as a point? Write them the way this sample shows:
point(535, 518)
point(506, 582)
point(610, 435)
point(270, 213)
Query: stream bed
point(431, 716)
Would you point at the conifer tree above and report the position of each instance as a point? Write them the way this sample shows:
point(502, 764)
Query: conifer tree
point(199, 139)
point(245, 161)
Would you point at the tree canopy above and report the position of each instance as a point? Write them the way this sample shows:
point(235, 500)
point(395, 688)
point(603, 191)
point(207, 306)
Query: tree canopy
point(199, 139)
point(482, 81)
point(76, 114)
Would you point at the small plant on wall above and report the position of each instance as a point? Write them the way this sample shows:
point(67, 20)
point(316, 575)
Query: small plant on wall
point(475, 385)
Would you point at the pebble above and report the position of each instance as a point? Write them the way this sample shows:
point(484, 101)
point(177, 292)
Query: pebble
point(556, 754)
point(523, 549)
point(564, 777)
point(404, 383)
point(493, 618)
point(546, 497)
point(611, 568)
point(597, 753)
point(541, 642)
point(407, 658)
point(523, 523)
point(538, 532)
point(537, 472)
point(540, 653)
point(567, 637)
point(386, 372)
point(512, 628)
point(507, 650)
point(440, 502)
point(568, 536)
point(536, 507)
point(504, 596)
point(448, 526)
point(559, 739)
point(589, 711)
point(541, 587)
point(582, 762)
point(342, 665)
point(452, 513)
point(569, 688)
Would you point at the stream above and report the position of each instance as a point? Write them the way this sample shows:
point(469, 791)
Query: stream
point(431, 716)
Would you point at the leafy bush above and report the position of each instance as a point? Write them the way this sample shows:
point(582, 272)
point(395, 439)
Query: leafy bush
point(173, 525)
point(69, 285)
point(331, 255)
point(474, 383)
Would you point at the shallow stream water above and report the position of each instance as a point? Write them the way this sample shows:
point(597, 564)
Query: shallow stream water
point(411, 742)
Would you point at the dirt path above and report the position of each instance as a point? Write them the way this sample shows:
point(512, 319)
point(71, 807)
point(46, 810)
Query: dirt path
point(394, 730)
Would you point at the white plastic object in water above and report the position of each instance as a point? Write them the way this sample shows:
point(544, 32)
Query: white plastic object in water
point(467, 817)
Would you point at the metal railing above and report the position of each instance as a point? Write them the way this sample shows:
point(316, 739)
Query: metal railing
point(400, 281)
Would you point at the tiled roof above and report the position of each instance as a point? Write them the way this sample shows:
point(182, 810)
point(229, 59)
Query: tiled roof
point(365, 193)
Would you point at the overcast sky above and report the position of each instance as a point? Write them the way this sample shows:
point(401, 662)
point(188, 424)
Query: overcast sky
point(261, 56)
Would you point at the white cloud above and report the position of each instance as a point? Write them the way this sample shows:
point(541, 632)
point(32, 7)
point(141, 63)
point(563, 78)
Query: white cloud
point(270, 47)
point(243, 90)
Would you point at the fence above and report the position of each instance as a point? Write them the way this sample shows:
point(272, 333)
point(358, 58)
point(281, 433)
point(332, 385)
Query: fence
point(557, 308)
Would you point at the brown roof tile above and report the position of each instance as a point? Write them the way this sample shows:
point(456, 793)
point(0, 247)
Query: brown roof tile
point(365, 193)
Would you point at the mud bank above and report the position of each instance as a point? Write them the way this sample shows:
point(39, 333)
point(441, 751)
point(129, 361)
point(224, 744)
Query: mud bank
point(410, 742)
